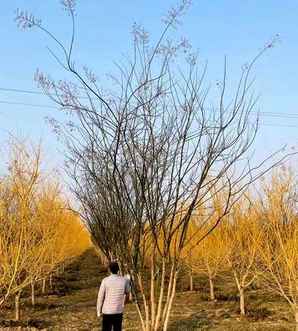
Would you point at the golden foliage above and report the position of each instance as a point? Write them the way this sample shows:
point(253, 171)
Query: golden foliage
point(37, 230)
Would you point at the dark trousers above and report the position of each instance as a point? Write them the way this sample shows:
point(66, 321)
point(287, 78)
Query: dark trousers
point(112, 322)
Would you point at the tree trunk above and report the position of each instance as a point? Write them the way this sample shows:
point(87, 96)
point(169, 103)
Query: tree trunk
point(152, 290)
point(51, 282)
point(211, 288)
point(169, 291)
point(158, 315)
point(33, 293)
point(190, 280)
point(296, 318)
point(242, 302)
point(135, 299)
point(17, 306)
point(43, 288)
point(145, 303)
point(170, 304)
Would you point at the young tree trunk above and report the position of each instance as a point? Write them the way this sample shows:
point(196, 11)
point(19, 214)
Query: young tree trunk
point(17, 306)
point(158, 315)
point(152, 290)
point(120, 269)
point(33, 293)
point(169, 291)
point(43, 288)
point(296, 317)
point(211, 289)
point(135, 299)
point(145, 303)
point(141, 317)
point(241, 294)
point(51, 281)
point(190, 280)
point(242, 302)
point(170, 304)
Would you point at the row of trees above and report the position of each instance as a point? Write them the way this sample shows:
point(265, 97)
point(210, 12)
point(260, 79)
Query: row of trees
point(38, 231)
point(258, 241)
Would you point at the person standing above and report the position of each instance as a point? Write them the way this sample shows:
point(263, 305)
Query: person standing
point(112, 295)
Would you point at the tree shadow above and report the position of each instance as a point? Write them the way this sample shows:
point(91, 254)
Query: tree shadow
point(34, 324)
point(193, 322)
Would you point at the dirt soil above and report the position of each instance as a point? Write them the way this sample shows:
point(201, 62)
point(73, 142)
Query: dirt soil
point(70, 305)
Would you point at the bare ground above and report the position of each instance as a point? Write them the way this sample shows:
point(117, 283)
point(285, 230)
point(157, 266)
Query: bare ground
point(70, 305)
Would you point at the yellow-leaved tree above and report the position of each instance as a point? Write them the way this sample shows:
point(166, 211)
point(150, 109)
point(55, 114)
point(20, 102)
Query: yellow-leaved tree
point(209, 257)
point(21, 252)
point(243, 239)
point(38, 231)
point(280, 246)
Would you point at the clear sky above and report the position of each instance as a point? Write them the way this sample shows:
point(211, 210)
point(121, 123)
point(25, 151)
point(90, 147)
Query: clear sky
point(237, 29)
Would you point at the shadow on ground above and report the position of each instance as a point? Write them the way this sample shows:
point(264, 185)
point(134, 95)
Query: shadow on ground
point(32, 324)
point(193, 322)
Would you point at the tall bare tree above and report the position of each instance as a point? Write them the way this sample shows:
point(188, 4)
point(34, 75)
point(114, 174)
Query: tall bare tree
point(144, 156)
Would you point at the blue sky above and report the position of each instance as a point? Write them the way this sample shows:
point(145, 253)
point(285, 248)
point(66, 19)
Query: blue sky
point(237, 29)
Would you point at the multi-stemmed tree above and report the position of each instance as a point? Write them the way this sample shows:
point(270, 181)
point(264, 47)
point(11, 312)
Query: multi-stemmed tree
point(144, 156)
point(243, 241)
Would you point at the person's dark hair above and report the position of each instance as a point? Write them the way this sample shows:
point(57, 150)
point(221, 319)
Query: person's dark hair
point(114, 267)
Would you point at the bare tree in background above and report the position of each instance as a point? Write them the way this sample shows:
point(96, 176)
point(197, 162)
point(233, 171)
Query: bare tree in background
point(144, 156)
